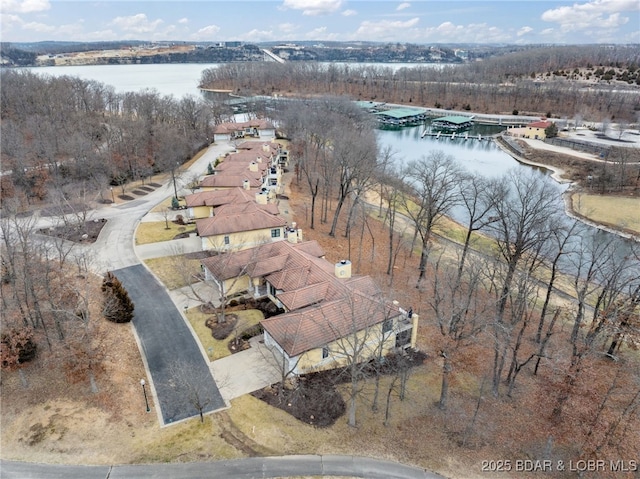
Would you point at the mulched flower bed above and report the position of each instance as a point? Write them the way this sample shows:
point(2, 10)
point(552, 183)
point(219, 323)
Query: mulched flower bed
point(313, 398)
point(86, 233)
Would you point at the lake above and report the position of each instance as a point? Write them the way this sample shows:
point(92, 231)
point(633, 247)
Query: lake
point(483, 157)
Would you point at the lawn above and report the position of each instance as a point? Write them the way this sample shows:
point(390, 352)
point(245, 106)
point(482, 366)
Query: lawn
point(175, 271)
point(156, 231)
point(615, 211)
point(218, 349)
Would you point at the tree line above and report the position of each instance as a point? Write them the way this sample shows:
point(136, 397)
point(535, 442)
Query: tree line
point(62, 136)
point(497, 85)
point(525, 289)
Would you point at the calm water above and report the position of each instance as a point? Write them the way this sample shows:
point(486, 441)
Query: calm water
point(182, 79)
point(168, 79)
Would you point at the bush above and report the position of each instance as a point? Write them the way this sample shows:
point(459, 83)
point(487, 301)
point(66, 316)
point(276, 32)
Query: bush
point(252, 332)
point(17, 346)
point(117, 306)
point(515, 112)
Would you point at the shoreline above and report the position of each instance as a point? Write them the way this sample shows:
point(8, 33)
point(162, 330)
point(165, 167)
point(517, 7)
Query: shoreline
point(567, 195)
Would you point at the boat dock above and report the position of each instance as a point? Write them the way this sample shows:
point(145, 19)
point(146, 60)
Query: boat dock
point(453, 135)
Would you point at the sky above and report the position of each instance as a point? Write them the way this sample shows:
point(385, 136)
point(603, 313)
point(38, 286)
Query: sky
point(422, 22)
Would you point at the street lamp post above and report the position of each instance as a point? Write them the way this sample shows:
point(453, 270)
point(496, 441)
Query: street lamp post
point(113, 198)
point(144, 391)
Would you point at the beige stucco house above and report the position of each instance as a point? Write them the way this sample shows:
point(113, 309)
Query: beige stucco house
point(202, 204)
point(536, 130)
point(236, 227)
point(258, 128)
point(329, 316)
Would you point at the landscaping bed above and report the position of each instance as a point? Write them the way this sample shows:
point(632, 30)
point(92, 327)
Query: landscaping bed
point(314, 399)
point(88, 232)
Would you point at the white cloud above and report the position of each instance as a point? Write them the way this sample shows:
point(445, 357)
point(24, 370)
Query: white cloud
point(25, 6)
point(597, 14)
point(39, 27)
point(206, 33)
point(256, 35)
point(384, 29)
point(402, 6)
point(183, 21)
point(313, 7)
point(349, 13)
point(524, 31)
point(136, 24)
point(288, 28)
point(471, 33)
point(321, 33)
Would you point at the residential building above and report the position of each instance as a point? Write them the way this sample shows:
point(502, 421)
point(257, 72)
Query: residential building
point(329, 316)
point(536, 130)
point(259, 128)
point(236, 227)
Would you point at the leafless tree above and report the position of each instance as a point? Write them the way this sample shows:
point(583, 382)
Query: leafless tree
point(434, 180)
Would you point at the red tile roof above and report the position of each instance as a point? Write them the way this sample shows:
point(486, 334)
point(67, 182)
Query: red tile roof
point(539, 124)
point(234, 218)
point(230, 181)
point(260, 124)
point(321, 306)
point(221, 197)
point(320, 324)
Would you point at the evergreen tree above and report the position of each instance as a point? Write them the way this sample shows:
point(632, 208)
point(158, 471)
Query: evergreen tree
point(551, 131)
point(118, 307)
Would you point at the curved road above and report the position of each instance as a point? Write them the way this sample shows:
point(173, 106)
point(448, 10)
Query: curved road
point(255, 467)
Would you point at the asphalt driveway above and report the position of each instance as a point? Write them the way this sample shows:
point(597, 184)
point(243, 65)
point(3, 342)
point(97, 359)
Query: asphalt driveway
point(179, 374)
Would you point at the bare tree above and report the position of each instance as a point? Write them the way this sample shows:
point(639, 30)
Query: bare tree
point(434, 180)
point(522, 225)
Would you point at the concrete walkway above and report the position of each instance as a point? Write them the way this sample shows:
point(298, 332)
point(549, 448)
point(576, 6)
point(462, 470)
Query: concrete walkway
point(192, 244)
point(246, 371)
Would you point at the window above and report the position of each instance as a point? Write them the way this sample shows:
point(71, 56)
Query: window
point(325, 352)
point(226, 240)
point(387, 325)
point(275, 233)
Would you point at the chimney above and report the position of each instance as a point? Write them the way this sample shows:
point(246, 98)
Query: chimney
point(261, 198)
point(259, 159)
point(343, 269)
point(253, 166)
point(246, 184)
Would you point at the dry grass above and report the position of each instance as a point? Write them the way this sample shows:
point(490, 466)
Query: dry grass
point(174, 271)
point(618, 212)
point(156, 231)
point(218, 349)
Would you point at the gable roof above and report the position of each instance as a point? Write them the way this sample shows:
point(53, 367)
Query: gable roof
point(320, 324)
point(230, 265)
point(229, 127)
point(234, 218)
point(259, 145)
point(322, 307)
point(230, 181)
point(540, 124)
point(221, 197)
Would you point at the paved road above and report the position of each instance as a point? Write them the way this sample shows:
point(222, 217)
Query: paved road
point(256, 467)
point(179, 374)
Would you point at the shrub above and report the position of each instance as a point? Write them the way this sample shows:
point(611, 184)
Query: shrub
point(117, 306)
point(17, 346)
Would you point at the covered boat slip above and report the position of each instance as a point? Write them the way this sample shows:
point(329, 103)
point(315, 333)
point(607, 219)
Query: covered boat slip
point(454, 122)
point(402, 116)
